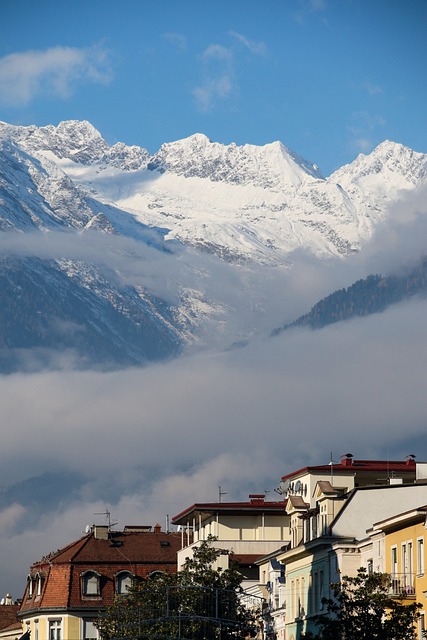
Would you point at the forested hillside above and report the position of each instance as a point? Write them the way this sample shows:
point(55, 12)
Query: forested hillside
point(370, 295)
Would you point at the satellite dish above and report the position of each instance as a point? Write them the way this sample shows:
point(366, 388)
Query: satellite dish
point(283, 487)
point(88, 528)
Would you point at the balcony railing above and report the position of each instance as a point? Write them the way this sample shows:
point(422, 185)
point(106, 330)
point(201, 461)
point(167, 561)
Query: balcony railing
point(402, 585)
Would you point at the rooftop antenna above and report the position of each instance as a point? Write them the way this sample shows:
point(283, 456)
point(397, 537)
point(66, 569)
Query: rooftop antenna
point(331, 464)
point(107, 515)
point(221, 493)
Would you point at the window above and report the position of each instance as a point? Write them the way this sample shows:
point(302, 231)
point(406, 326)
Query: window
point(90, 632)
point(314, 527)
point(394, 562)
point(316, 592)
point(154, 575)
point(370, 566)
point(297, 599)
point(421, 625)
point(420, 556)
point(30, 586)
point(36, 630)
point(123, 582)
point(321, 589)
point(90, 583)
point(404, 563)
point(38, 585)
point(55, 629)
point(302, 598)
point(293, 599)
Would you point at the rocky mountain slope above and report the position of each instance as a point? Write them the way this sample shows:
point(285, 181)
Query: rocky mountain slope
point(145, 292)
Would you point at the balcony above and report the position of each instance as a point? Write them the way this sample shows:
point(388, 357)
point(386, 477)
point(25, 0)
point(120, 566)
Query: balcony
point(402, 585)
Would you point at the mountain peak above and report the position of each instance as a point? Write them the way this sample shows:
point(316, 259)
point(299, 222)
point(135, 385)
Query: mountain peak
point(401, 168)
point(270, 166)
point(199, 138)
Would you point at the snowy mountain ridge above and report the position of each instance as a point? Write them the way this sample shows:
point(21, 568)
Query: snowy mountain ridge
point(244, 203)
point(190, 234)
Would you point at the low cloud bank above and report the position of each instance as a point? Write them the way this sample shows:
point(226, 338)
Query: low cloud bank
point(149, 442)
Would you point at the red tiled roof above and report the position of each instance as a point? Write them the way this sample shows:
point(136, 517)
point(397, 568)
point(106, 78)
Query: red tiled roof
point(138, 552)
point(350, 466)
point(8, 615)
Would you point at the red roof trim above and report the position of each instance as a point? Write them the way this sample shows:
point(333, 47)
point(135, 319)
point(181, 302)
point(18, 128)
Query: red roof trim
point(225, 507)
point(400, 466)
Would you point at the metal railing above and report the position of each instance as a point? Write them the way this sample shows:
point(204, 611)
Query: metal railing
point(402, 584)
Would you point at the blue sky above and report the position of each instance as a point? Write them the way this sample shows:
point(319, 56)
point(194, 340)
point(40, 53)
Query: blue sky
point(329, 78)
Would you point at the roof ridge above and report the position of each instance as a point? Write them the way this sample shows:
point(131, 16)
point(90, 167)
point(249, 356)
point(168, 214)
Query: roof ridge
point(80, 542)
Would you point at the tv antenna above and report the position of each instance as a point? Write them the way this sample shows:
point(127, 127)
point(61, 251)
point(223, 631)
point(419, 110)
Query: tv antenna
point(107, 515)
point(331, 464)
point(221, 493)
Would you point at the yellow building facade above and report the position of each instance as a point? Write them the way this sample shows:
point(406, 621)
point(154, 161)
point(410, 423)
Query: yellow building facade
point(405, 539)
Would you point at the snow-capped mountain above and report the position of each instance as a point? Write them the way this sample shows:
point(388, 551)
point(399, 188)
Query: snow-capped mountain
point(244, 203)
point(248, 207)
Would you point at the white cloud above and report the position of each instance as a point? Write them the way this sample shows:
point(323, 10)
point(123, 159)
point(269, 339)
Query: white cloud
point(257, 48)
point(217, 51)
point(55, 71)
point(177, 39)
point(168, 435)
point(217, 77)
point(219, 80)
point(213, 88)
point(373, 89)
point(309, 7)
point(364, 145)
point(10, 516)
point(363, 130)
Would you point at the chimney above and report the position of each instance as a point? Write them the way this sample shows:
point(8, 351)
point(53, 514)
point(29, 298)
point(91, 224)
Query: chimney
point(157, 528)
point(257, 498)
point(347, 460)
point(101, 532)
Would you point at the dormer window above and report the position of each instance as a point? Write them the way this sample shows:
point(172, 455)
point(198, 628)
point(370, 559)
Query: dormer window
point(38, 585)
point(30, 586)
point(91, 583)
point(124, 581)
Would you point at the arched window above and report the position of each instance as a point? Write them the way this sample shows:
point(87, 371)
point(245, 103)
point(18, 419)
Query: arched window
point(155, 575)
point(90, 583)
point(124, 581)
point(30, 586)
point(38, 584)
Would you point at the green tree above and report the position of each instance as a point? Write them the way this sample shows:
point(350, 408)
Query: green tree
point(361, 609)
point(197, 603)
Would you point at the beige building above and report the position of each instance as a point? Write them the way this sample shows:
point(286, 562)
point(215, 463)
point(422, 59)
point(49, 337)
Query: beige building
point(245, 530)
